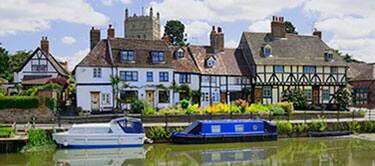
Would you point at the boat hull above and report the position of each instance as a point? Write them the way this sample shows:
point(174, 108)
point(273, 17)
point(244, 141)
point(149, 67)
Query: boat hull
point(198, 139)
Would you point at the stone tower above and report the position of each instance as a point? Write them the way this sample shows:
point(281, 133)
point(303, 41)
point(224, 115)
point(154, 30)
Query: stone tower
point(142, 27)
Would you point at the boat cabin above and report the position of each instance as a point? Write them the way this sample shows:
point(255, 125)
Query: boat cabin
point(129, 125)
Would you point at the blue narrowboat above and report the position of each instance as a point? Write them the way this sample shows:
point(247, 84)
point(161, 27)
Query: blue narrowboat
point(219, 131)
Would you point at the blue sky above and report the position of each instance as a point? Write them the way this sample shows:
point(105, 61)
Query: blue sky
point(67, 22)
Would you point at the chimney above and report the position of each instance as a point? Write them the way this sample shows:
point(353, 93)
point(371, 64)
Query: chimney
point(126, 13)
point(44, 44)
point(166, 39)
point(278, 27)
point(151, 12)
point(94, 37)
point(217, 40)
point(110, 32)
point(317, 33)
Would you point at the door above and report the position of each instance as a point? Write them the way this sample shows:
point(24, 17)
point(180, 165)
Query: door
point(316, 95)
point(258, 95)
point(95, 101)
point(150, 98)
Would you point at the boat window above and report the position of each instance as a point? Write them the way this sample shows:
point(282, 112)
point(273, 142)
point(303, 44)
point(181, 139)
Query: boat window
point(77, 130)
point(98, 130)
point(238, 128)
point(215, 128)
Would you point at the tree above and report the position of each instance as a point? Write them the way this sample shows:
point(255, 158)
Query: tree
point(185, 92)
point(115, 80)
point(175, 30)
point(4, 64)
point(347, 57)
point(11, 63)
point(343, 97)
point(297, 97)
point(17, 59)
point(290, 28)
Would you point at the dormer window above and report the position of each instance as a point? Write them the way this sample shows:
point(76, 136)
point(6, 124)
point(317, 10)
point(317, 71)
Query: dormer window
point(210, 62)
point(328, 56)
point(179, 53)
point(127, 56)
point(157, 57)
point(267, 51)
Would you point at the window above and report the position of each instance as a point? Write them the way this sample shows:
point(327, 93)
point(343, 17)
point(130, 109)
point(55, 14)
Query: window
point(309, 69)
point(184, 78)
point(279, 69)
point(163, 96)
point(267, 92)
point(129, 75)
point(238, 128)
point(308, 93)
point(215, 128)
point(328, 56)
point(127, 56)
point(267, 51)
point(179, 53)
point(360, 95)
point(210, 62)
point(157, 57)
point(39, 65)
point(150, 76)
point(129, 96)
point(334, 70)
point(106, 98)
point(325, 94)
point(163, 76)
point(97, 72)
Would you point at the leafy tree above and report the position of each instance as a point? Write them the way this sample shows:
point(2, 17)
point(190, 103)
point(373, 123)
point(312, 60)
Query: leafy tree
point(17, 59)
point(11, 63)
point(347, 57)
point(343, 97)
point(115, 80)
point(297, 97)
point(4, 64)
point(290, 28)
point(175, 30)
point(185, 92)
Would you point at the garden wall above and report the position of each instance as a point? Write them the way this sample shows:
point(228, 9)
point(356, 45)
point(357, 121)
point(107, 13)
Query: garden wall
point(41, 115)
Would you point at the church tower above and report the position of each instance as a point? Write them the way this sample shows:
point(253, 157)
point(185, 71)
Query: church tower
point(142, 27)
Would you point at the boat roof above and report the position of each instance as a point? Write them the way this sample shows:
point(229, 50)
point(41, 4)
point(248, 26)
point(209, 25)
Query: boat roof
point(229, 121)
point(125, 119)
point(92, 125)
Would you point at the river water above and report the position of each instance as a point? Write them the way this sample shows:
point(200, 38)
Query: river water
point(289, 152)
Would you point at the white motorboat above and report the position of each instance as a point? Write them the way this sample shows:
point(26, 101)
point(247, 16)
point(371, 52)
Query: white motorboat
point(120, 132)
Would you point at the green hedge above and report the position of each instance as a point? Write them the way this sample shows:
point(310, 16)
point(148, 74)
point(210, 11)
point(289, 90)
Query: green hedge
point(6, 132)
point(51, 103)
point(22, 102)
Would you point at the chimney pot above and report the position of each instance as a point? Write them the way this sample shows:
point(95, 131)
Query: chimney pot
point(219, 29)
point(110, 31)
point(278, 27)
point(44, 44)
point(317, 33)
point(94, 37)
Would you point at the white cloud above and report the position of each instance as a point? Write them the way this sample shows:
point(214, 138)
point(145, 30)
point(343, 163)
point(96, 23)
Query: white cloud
point(350, 22)
point(222, 10)
point(110, 2)
point(68, 40)
point(197, 29)
point(260, 26)
point(231, 44)
point(30, 16)
point(75, 58)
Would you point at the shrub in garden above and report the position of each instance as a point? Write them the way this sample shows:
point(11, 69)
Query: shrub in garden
point(137, 106)
point(297, 97)
point(368, 126)
point(193, 109)
point(287, 106)
point(185, 92)
point(354, 126)
point(148, 110)
point(241, 103)
point(157, 133)
point(171, 111)
point(300, 128)
point(39, 140)
point(51, 103)
point(256, 107)
point(343, 97)
point(284, 127)
point(276, 109)
point(6, 132)
point(318, 125)
point(22, 102)
point(235, 109)
point(184, 104)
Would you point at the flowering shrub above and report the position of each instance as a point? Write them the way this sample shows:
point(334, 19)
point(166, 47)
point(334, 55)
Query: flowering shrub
point(256, 108)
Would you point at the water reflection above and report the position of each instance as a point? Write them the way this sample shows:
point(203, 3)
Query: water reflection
point(301, 151)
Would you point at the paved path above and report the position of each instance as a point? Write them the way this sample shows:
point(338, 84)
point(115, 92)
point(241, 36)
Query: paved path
point(176, 124)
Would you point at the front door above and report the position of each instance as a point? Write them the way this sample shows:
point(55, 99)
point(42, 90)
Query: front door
point(315, 94)
point(95, 101)
point(150, 97)
point(258, 95)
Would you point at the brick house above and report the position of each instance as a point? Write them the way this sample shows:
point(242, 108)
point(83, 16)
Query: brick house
point(362, 80)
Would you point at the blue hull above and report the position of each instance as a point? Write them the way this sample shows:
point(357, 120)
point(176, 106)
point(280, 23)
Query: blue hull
point(99, 146)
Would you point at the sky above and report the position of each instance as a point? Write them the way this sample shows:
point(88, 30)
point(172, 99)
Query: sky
point(347, 25)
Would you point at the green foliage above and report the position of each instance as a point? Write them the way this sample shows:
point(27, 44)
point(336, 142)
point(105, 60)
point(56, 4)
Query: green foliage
point(157, 133)
point(300, 128)
point(51, 103)
point(6, 132)
point(235, 109)
point(286, 106)
point(39, 140)
point(33, 91)
point(137, 106)
point(115, 80)
point(175, 30)
point(354, 126)
point(149, 110)
point(22, 102)
point(246, 94)
point(256, 107)
point(284, 127)
point(347, 57)
point(184, 104)
point(11, 63)
point(18, 59)
point(343, 97)
point(276, 109)
point(4, 64)
point(2, 91)
point(185, 92)
point(193, 109)
point(289, 27)
point(172, 111)
point(368, 127)
point(318, 125)
point(297, 97)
